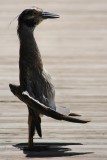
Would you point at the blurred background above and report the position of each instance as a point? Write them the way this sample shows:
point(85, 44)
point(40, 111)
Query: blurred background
point(74, 52)
point(73, 47)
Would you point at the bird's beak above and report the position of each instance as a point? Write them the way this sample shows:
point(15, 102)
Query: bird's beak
point(46, 15)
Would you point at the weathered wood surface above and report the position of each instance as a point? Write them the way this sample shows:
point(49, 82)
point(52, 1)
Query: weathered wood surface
point(74, 51)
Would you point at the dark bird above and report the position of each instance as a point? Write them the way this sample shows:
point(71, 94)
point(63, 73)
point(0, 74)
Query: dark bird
point(36, 88)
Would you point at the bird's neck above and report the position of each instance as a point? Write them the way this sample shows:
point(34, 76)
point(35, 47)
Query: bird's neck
point(29, 52)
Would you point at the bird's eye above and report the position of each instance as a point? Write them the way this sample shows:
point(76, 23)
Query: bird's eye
point(34, 13)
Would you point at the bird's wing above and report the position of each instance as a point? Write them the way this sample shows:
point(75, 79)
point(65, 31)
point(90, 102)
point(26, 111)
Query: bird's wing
point(41, 108)
point(66, 111)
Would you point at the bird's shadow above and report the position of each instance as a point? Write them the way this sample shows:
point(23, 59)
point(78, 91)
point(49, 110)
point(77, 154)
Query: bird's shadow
point(54, 149)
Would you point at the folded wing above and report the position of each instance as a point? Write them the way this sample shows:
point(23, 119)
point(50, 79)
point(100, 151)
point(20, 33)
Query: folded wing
point(41, 108)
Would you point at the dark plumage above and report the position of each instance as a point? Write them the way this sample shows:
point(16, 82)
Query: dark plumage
point(40, 93)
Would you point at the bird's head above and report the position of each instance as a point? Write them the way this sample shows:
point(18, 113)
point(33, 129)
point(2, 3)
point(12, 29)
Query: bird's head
point(32, 17)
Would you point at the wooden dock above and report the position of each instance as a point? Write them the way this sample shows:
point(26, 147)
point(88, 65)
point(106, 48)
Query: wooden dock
point(74, 51)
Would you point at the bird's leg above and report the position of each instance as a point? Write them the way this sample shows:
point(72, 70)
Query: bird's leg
point(31, 130)
point(30, 136)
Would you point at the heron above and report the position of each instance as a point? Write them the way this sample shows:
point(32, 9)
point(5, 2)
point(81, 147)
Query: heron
point(36, 89)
